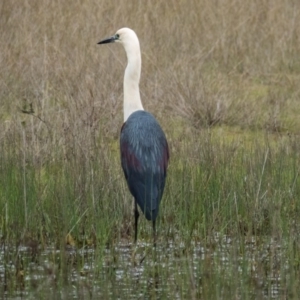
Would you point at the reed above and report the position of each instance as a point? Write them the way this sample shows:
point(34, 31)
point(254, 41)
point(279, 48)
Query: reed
point(222, 79)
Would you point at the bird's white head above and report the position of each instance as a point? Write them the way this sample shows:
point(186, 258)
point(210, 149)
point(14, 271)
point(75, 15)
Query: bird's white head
point(128, 38)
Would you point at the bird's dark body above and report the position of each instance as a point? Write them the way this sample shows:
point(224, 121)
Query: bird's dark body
point(144, 158)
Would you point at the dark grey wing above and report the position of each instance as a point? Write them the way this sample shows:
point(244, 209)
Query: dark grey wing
point(144, 158)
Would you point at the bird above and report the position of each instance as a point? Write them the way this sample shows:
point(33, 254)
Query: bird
point(144, 148)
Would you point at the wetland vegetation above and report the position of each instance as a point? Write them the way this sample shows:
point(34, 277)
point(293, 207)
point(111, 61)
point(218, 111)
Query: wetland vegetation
point(222, 78)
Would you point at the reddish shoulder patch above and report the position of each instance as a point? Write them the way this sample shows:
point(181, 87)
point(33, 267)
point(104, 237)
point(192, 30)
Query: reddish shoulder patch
point(129, 158)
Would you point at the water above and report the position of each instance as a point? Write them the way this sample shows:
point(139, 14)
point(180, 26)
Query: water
point(225, 266)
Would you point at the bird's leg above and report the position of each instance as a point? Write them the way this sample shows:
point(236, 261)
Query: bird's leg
point(154, 234)
point(136, 217)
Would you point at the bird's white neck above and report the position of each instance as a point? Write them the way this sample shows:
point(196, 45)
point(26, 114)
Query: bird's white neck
point(132, 99)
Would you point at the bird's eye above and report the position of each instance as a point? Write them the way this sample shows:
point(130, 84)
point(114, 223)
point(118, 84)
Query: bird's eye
point(117, 36)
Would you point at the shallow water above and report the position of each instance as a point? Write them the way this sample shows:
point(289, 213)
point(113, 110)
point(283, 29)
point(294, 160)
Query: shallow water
point(173, 270)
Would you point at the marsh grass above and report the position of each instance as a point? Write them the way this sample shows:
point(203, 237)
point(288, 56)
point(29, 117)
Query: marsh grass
point(222, 77)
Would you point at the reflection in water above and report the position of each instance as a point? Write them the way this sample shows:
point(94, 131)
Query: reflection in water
point(172, 270)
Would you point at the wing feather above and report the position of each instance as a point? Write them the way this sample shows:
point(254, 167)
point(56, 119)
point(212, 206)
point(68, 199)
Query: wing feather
point(144, 158)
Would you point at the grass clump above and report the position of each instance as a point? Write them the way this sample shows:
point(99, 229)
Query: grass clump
point(222, 78)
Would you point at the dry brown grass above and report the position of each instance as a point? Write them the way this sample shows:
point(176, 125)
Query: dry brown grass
point(225, 62)
point(231, 61)
point(197, 55)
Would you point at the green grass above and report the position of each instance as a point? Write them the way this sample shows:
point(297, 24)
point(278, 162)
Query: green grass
point(222, 79)
point(242, 189)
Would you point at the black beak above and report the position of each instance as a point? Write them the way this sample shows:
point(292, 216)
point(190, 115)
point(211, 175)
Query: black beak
point(108, 40)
